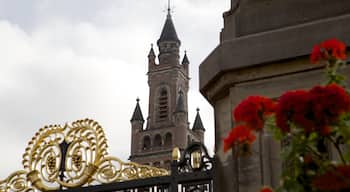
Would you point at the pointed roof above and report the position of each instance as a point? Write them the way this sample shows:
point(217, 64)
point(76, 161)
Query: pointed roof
point(198, 125)
point(137, 115)
point(168, 32)
point(185, 59)
point(180, 104)
point(151, 52)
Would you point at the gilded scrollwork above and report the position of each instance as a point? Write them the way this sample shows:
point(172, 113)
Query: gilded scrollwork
point(16, 182)
point(112, 169)
point(71, 156)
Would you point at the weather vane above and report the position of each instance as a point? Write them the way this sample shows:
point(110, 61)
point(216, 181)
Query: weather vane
point(168, 5)
point(169, 9)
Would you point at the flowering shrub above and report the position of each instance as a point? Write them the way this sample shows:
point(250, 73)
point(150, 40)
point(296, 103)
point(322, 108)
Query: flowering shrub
point(313, 121)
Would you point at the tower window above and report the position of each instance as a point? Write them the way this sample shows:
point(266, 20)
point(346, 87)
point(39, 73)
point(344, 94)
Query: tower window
point(168, 140)
point(146, 143)
point(158, 141)
point(163, 101)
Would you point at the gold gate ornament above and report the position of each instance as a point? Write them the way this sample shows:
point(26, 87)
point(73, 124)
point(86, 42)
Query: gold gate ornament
point(72, 156)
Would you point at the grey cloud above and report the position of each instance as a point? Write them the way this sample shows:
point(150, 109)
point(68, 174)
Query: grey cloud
point(19, 11)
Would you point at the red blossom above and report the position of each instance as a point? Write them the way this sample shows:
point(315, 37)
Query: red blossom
point(293, 106)
point(329, 49)
point(266, 189)
point(328, 103)
point(337, 179)
point(313, 110)
point(253, 110)
point(316, 54)
point(335, 47)
point(240, 134)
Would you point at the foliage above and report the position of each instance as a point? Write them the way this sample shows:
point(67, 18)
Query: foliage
point(311, 122)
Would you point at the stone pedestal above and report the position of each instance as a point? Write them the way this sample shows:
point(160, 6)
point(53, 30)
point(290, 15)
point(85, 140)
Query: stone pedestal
point(264, 50)
point(249, 170)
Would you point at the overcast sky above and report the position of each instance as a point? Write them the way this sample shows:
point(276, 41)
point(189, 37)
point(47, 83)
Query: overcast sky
point(64, 60)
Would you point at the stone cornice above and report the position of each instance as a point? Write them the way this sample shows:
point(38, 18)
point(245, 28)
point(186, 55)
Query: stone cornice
point(269, 47)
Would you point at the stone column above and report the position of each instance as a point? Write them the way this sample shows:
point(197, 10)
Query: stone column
point(264, 50)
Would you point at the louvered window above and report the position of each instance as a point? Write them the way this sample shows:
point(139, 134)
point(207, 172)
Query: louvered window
point(163, 108)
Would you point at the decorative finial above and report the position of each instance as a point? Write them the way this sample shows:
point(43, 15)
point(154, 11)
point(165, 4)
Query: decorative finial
point(176, 154)
point(168, 7)
point(185, 52)
point(137, 99)
point(169, 10)
point(152, 45)
point(197, 109)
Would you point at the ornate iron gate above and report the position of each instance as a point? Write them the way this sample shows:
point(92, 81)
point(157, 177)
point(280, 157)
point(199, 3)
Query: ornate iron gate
point(74, 157)
point(192, 172)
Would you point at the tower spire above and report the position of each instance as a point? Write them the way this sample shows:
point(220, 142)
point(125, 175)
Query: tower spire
point(168, 33)
point(198, 124)
point(185, 59)
point(151, 53)
point(137, 115)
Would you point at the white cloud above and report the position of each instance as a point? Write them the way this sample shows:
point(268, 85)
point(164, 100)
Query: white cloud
point(66, 64)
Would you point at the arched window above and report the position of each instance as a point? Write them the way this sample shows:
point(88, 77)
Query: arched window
point(146, 143)
point(157, 141)
point(163, 109)
point(168, 140)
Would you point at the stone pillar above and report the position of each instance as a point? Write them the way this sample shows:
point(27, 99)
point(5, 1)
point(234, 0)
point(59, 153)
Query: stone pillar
point(226, 169)
point(264, 50)
point(249, 170)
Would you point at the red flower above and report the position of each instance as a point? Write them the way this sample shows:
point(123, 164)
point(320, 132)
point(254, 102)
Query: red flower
point(252, 111)
point(333, 180)
point(329, 49)
point(335, 47)
point(240, 134)
point(316, 54)
point(294, 106)
point(266, 189)
point(328, 103)
point(315, 110)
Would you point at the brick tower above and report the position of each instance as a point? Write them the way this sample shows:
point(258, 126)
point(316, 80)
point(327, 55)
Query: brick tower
point(167, 124)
